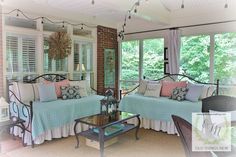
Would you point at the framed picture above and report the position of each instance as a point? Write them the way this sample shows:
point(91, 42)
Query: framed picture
point(109, 68)
point(166, 68)
point(165, 53)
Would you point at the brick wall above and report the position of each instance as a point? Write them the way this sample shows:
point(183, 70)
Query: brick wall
point(106, 38)
point(1, 56)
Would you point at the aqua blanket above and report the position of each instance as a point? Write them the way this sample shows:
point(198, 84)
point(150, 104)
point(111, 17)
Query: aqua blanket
point(49, 115)
point(159, 108)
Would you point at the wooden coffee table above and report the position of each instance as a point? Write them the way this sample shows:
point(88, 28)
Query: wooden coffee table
point(102, 127)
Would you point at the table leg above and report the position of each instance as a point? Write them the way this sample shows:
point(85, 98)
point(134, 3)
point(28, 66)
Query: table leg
point(76, 135)
point(137, 128)
point(101, 142)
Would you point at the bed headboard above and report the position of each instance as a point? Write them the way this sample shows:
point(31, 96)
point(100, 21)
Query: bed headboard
point(47, 77)
point(175, 77)
point(182, 77)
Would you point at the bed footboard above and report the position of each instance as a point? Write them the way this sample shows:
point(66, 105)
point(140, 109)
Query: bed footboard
point(21, 112)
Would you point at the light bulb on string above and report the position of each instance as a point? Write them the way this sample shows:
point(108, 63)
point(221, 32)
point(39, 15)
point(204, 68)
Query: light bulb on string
point(182, 5)
point(42, 20)
point(63, 25)
point(226, 4)
point(17, 13)
point(129, 17)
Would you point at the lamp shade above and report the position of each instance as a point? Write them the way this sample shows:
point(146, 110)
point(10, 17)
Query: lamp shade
point(78, 67)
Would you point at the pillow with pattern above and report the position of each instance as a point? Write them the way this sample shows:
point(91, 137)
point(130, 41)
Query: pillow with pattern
point(179, 93)
point(70, 92)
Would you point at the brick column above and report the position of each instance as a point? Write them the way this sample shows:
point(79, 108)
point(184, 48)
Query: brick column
point(1, 57)
point(106, 38)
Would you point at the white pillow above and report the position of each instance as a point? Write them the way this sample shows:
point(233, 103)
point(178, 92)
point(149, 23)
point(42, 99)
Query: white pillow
point(26, 92)
point(142, 86)
point(84, 88)
point(153, 90)
point(207, 91)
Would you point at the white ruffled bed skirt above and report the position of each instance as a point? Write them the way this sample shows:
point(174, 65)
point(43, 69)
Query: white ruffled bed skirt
point(68, 130)
point(157, 125)
point(64, 131)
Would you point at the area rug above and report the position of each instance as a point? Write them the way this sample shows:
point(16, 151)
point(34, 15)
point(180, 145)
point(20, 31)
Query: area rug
point(150, 144)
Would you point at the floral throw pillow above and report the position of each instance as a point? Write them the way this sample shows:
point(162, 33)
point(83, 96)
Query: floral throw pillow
point(70, 92)
point(179, 93)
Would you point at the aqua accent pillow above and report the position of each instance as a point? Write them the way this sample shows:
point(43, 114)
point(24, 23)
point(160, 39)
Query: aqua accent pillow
point(194, 92)
point(47, 92)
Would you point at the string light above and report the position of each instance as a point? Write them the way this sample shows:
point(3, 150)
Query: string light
point(63, 26)
point(226, 4)
point(18, 12)
point(128, 15)
point(182, 5)
point(42, 20)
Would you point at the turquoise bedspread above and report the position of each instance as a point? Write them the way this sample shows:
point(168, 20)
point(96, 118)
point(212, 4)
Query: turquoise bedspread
point(159, 108)
point(49, 115)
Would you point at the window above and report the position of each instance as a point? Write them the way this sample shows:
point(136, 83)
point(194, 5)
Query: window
point(195, 57)
point(153, 51)
point(83, 61)
point(21, 56)
point(225, 58)
point(12, 54)
point(51, 65)
point(130, 64)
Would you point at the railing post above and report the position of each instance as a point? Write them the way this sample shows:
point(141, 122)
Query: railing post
point(217, 86)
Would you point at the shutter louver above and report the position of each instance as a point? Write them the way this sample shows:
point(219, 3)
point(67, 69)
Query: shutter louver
point(28, 55)
point(12, 54)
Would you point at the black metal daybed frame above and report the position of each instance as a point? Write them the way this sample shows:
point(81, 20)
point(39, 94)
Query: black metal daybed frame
point(176, 77)
point(27, 109)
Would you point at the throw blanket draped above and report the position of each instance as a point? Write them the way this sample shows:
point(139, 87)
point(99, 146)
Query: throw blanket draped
point(159, 108)
point(53, 114)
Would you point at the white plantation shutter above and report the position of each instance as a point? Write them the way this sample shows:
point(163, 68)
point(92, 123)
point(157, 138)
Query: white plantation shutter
point(21, 55)
point(12, 54)
point(28, 55)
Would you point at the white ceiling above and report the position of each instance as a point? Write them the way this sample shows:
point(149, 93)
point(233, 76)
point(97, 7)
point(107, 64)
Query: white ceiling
point(151, 14)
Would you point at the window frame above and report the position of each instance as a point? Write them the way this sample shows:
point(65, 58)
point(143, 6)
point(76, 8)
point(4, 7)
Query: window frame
point(20, 73)
point(141, 54)
point(87, 72)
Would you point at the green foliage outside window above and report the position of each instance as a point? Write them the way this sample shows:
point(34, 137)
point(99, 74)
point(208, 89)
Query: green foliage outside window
point(130, 64)
point(152, 61)
point(225, 58)
point(153, 58)
point(195, 57)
